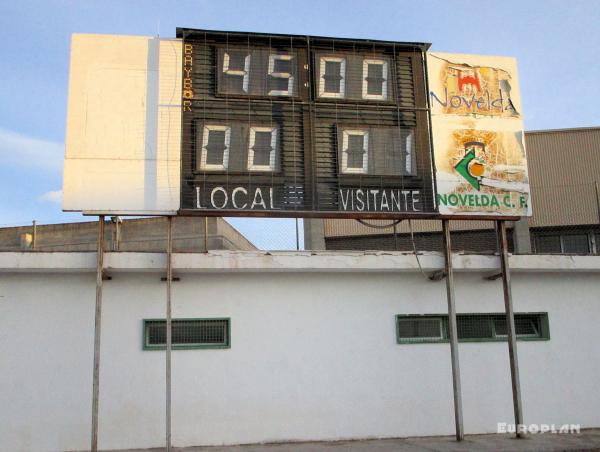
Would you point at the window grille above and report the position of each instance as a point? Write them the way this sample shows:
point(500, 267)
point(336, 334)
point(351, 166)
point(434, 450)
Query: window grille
point(575, 244)
point(566, 243)
point(470, 327)
point(430, 328)
point(187, 333)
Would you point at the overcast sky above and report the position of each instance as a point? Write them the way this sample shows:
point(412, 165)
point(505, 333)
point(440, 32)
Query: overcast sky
point(556, 43)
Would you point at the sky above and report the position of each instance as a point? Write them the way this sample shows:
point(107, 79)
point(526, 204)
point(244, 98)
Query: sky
point(556, 43)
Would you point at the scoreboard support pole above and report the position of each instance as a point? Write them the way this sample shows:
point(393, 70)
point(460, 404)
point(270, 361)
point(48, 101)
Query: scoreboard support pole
point(452, 332)
point(97, 327)
point(510, 328)
point(206, 234)
point(168, 335)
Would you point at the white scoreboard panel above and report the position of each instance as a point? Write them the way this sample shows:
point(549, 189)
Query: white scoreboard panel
point(123, 135)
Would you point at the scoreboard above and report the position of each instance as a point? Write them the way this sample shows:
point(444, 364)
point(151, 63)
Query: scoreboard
point(285, 124)
point(217, 123)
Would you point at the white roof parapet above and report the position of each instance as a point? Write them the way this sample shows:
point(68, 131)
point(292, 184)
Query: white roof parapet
point(286, 261)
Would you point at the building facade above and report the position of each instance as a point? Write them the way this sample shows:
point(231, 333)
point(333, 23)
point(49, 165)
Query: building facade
point(288, 347)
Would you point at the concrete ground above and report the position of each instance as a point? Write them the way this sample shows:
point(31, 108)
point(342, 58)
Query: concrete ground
point(587, 440)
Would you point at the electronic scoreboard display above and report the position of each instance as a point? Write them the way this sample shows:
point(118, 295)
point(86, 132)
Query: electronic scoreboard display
point(299, 125)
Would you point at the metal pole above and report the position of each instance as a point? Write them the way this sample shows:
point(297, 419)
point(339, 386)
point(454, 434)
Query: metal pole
point(596, 242)
point(206, 234)
point(34, 235)
point(168, 335)
point(97, 325)
point(297, 236)
point(510, 328)
point(597, 198)
point(117, 243)
point(497, 231)
point(452, 332)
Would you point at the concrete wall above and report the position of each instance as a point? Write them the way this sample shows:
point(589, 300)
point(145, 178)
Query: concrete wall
point(313, 354)
point(140, 234)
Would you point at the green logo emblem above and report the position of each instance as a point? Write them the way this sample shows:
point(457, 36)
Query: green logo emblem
point(463, 168)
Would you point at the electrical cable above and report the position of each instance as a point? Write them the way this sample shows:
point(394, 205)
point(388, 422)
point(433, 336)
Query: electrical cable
point(412, 239)
point(375, 226)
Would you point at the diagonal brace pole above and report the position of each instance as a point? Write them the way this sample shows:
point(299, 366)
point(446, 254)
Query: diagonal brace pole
point(452, 332)
point(97, 331)
point(510, 329)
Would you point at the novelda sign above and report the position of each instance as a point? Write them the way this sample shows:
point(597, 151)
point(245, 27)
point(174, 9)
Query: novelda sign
point(221, 123)
point(481, 165)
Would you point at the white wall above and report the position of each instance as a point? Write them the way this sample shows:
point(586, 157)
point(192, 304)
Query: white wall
point(313, 356)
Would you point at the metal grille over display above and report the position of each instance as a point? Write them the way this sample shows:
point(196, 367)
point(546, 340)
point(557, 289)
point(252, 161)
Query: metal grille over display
point(295, 125)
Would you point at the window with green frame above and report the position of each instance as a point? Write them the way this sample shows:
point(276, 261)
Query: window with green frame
point(187, 333)
point(429, 328)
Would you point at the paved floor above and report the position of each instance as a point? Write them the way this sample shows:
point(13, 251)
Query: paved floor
point(587, 440)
